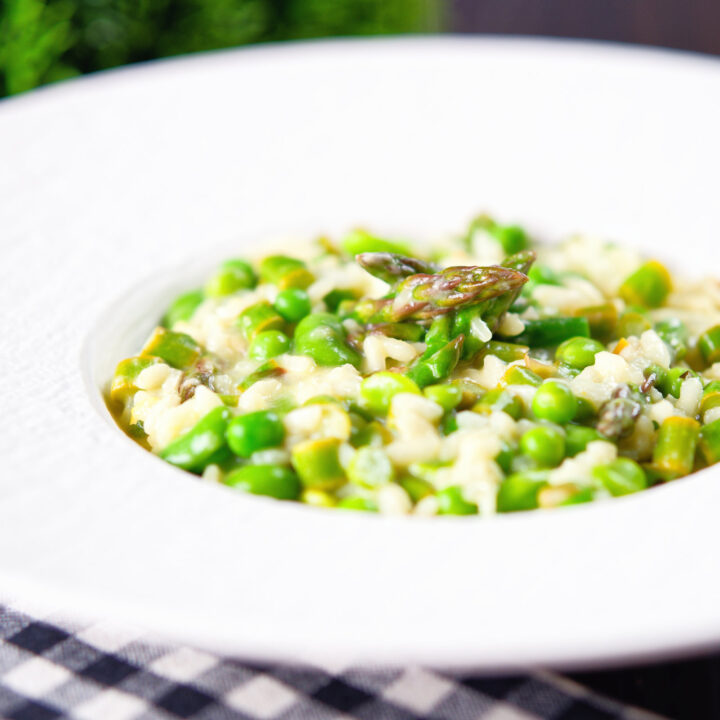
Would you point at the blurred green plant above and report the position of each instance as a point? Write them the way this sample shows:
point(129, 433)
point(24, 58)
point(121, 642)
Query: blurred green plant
point(42, 41)
point(34, 36)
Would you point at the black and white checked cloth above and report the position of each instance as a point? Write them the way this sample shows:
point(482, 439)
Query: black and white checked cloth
point(55, 668)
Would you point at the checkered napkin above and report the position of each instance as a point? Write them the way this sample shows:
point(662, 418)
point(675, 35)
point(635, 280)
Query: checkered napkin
point(53, 668)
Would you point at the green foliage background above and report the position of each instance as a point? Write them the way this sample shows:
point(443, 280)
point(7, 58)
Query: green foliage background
point(42, 41)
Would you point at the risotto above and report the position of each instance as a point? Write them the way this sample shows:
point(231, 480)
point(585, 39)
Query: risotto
point(487, 374)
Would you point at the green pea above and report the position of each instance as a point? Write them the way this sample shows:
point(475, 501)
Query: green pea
point(577, 438)
point(712, 387)
point(709, 344)
point(285, 272)
point(257, 318)
point(317, 462)
point(254, 431)
point(233, 275)
point(293, 304)
point(177, 349)
point(544, 444)
point(183, 308)
point(451, 502)
point(512, 238)
point(272, 480)
point(322, 337)
point(554, 401)
point(378, 390)
point(268, 344)
point(355, 502)
point(361, 241)
point(520, 491)
point(447, 396)
point(621, 477)
point(370, 467)
point(194, 450)
point(578, 352)
point(648, 286)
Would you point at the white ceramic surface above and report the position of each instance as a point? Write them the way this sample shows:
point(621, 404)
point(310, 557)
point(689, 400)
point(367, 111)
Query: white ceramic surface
point(108, 183)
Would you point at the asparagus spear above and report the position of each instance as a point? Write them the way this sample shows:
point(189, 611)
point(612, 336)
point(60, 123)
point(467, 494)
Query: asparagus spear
point(618, 415)
point(424, 296)
point(392, 267)
point(674, 452)
point(497, 307)
point(439, 365)
point(490, 311)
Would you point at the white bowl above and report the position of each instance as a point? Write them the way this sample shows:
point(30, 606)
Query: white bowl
point(108, 183)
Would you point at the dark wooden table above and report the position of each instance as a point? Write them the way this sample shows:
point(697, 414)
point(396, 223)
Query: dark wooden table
point(685, 690)
point(689, 689)
point(686, 24)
